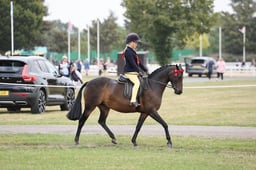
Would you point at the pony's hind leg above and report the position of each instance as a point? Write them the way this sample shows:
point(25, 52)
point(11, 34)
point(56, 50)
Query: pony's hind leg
point(102, 121)
point(82, 120)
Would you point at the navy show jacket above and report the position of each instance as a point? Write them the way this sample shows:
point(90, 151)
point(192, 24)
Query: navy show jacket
point(132, 61)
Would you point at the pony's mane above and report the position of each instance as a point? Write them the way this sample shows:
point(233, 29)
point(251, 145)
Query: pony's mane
point(160, 69)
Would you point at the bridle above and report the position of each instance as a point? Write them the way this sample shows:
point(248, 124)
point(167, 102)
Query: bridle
point(175, 74)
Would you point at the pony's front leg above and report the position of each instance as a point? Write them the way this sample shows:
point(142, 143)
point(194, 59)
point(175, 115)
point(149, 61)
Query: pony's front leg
point(159, 119)
point(140, 122)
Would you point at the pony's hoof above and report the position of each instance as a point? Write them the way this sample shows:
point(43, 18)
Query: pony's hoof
point(169, 145)
point(76, 143)
point(114, 141)
point(135, 145)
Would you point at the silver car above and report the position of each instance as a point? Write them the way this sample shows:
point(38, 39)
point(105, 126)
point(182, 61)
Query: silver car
point(198, 66)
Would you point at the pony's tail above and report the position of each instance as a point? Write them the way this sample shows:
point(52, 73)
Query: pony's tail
point(76, 111)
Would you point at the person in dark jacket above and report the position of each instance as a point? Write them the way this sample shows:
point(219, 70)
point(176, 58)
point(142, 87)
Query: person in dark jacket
point(75, 75)
point(133, 66)
point(210, 67)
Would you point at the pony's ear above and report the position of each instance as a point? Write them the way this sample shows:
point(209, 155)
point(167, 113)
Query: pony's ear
point(177, 67)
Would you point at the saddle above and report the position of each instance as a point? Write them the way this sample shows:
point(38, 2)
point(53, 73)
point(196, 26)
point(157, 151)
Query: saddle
point(128, 85)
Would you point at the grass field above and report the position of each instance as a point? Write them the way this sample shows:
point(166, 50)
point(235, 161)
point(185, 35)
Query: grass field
point(206, 106)
point(27, 152)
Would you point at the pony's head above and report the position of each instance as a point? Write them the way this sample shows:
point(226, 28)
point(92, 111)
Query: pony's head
point(175, 76)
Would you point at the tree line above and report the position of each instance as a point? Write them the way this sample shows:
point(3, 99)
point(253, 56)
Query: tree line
point(163, 25)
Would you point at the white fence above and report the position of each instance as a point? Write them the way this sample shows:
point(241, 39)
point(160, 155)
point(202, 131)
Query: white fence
point(240, 71)
point(236, 69)
point(232, 69)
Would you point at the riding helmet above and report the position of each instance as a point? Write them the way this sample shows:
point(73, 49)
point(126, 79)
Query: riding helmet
point(132, 37)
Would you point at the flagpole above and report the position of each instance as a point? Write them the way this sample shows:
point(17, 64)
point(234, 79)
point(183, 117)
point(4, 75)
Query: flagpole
point(79, 51)
point(69, 45)
point(244, 44)
point(12, 36)
point(88, 42)
point(200, 48)
point(69, 30)
point(243, 31)
point(200, 42)
point(220, 37)
point(98, 42)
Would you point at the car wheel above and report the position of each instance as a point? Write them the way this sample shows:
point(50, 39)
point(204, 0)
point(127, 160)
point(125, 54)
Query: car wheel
point(199, 75)
point(190, 75)
point(70, 99)
point(39, 105)
point(13, 109)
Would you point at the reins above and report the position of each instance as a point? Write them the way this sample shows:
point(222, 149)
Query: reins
point(166, 85)
point(175, 74)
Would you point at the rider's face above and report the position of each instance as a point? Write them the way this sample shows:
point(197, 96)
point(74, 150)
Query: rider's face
point(134, 44)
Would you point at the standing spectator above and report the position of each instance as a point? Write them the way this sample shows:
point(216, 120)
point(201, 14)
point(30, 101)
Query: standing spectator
point(79, 65)
point(100, 68)
point(64, 66)
point(253, 63)
point(75, 75)
point(243, 64)
point(86, 66)
point(104, 65)
point(221, 67)
point(210, 66)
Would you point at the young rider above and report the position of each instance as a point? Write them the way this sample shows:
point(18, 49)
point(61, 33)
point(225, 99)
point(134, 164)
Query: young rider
point(133, 65)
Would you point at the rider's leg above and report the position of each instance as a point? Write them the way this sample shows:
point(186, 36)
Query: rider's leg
point(135, 80)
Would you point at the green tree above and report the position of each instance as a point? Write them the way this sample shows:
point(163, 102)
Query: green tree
point(243, 15)
point(165, 24)
point(54, 36)
point(28, 18)
point(194, 43)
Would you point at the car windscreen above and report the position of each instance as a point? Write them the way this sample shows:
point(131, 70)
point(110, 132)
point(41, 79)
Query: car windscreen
point(11, 66)
point(197, 61)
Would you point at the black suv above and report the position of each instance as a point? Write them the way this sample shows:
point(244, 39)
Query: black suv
point(33, 82)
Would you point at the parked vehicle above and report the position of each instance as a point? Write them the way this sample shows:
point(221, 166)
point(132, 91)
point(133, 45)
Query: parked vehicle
point(198, 66)
point(33, 82)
